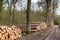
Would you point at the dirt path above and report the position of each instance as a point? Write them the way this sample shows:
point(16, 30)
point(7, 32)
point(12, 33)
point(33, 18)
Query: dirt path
point(54, 35)
point(50, 34)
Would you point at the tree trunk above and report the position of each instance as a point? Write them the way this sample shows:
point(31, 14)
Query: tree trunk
point(1, 4)
point(28, 16)
point(13, 11)
point(48, 4)
point(47, 7)
point(9, 11)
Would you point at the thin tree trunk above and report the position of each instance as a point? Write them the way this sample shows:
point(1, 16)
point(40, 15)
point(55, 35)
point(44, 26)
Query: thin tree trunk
point(48, 4)
point(46, 19)
point(28, 16)
point(21, 6)
point(13, 12)
point(1, 4)
point(9, 10)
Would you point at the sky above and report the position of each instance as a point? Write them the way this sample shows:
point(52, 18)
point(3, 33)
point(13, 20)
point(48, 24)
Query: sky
point(24, 4)
point(58, 9)
point(34, 1)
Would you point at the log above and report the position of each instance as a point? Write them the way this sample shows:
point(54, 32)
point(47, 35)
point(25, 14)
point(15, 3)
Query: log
point(43, 25)
point(9, 33)
point(34, 27)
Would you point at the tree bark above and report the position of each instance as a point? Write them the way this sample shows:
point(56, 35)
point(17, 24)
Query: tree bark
point(1, 4)
point(14, 3)
point(28, 27)
point(47, 7)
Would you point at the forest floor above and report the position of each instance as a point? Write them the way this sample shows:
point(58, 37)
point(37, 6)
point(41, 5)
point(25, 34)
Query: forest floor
point(47, 34)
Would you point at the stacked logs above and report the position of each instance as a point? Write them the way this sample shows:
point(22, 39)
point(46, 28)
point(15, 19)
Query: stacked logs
point(9, 33)
point(35, 26)
point(52, 24)
point(42, 25)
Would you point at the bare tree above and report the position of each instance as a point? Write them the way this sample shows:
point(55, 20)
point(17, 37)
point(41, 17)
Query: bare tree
point(9, 9)
point(14, 4)
point(28, 16)
point(1, 4)
point(48, 3)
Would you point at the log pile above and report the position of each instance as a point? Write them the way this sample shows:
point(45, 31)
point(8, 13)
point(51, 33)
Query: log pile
point(9, 33)
point(35, 26)
point(52, 23)
point(43, 25)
